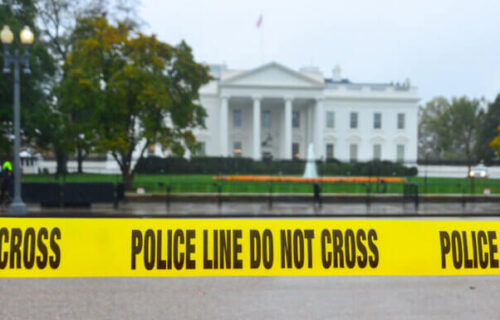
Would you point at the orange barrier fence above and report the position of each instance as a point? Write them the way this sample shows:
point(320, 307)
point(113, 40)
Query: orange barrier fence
point(301, 179)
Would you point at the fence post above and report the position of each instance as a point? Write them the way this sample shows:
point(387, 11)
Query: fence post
point(425, 177)
point(169, 189)
point(472, 190)
point(270, 195)
point(219, 191)
point(61, 195)
point(405, 193)
point(415, 188)
point(115, 202)
point(463, 195)
point(368, 194)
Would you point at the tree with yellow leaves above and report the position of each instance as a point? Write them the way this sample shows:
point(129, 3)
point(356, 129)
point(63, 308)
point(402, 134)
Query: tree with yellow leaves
point(134, 91)
point(495, 143)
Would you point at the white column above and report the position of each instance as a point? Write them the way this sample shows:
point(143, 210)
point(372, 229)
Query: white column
point(310, 126)
point(256, 128)
point(318, 127)
point(288, 128)
point(223, 126)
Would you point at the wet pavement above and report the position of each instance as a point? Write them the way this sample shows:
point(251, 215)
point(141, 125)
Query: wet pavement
point(263, 208)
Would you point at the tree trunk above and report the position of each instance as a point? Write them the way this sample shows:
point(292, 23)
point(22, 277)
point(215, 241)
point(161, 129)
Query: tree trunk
point(80, 160)
point(128, 179)
point(62, 162)
point(468, 155)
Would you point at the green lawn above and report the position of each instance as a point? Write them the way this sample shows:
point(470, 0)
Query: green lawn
point(204, 183)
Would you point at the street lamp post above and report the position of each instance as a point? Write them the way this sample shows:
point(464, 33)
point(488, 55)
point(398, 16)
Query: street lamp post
point(17, 206)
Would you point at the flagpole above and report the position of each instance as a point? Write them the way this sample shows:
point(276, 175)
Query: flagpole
point(261, 40)
point(261, 45)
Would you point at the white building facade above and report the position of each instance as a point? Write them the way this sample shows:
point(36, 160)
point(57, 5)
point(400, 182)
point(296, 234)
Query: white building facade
point(276, 112)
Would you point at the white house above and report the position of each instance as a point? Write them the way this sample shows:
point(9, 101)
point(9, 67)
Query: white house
point(274, 111)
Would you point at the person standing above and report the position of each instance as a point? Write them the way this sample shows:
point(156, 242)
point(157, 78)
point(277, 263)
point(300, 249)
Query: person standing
point(7, 179)
point(317, 194)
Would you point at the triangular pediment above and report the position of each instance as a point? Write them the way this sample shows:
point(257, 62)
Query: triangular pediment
point(273, 75)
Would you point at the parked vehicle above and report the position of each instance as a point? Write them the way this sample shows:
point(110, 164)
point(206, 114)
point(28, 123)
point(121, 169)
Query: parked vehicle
point(478, 172)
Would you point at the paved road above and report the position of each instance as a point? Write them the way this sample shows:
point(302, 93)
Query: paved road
point(252, 298)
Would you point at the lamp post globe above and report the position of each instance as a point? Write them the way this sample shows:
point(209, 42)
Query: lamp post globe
point(26, 35)
point(6, 35)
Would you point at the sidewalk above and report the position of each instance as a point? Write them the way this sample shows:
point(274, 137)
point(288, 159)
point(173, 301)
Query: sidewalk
point(285, 209)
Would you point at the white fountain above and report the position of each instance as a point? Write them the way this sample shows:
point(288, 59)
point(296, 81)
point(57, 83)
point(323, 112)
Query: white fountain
point(310, 171)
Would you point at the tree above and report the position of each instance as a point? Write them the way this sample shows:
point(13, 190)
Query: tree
point(432, 139)
point(448, 130)
point(495, 143)
point(34, 96)
point(487, 132)
point(143, 91)
point(463, 118)
point(59, 20)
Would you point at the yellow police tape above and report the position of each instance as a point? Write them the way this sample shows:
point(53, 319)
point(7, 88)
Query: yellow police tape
point(65, 247)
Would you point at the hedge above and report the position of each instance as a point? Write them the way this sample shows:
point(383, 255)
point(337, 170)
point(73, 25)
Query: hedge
point(224, 166)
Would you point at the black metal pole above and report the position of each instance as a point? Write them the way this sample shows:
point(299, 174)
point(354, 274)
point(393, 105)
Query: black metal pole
point(17, 207)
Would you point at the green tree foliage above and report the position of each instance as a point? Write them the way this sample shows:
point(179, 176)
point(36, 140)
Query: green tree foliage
point(65, 128)
point(135, 91)
point(488, 131)
point(448, 130)
point(432, 138)
point(34, 97)
point(463, 119)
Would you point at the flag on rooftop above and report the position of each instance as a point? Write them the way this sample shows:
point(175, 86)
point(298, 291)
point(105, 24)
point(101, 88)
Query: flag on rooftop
point(259, 21)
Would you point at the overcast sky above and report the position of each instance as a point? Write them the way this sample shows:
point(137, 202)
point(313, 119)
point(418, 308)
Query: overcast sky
point(445, 47)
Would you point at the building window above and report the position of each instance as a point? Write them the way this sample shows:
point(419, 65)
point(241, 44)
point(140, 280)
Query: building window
point(330, 119)
point(295, 150)
point(377, 152)
point(377, 120)
point(354, 120)
point(353, 152)
point(296, 119)
point(330, 151)
point(237, 118)
point(237, 149)
point(203, 149)
point(266, 119)
point(400, 153)
point(401, 120)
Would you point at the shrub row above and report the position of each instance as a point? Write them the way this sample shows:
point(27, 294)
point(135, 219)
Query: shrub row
point(223, 166)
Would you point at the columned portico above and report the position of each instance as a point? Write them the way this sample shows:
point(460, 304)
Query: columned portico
point(256, 128)
point(259, 125)
point(223, 126)
point(270, 112)
point(274, 112)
